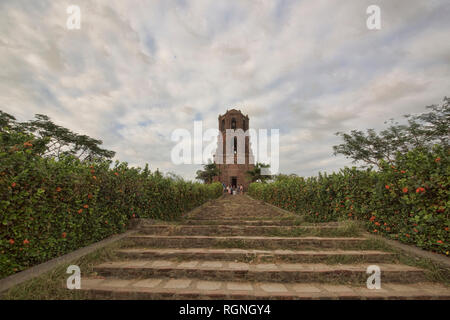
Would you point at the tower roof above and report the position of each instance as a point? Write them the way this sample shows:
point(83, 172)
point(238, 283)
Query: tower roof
point(233, 111)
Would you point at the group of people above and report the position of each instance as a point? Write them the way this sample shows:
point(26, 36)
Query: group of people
point(239, 189)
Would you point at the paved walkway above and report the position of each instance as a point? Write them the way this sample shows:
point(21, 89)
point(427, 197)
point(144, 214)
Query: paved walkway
point(239, 248)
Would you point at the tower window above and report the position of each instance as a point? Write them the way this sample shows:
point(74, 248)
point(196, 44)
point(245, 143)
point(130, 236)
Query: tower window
point(243, 124)
point(235, 144)
point(233, 123)
point(223, 124)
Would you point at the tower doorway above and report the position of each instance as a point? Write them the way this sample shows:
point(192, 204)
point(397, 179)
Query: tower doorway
point(234, 182)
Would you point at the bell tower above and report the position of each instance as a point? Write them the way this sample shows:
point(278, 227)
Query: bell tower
point(238, 159)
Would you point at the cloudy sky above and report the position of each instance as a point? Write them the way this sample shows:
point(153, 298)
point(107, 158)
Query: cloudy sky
point(139, 69)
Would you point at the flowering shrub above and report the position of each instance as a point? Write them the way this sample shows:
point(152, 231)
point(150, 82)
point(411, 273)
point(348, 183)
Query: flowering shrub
point(49, 208)
point(407, 201)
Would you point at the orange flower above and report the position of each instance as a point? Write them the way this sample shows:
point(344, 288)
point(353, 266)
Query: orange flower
point(377, 223)
point(407, 235)
point(11, 241)
point(415, 230)
point(89, 196)
point(64, 234)
point(387, 186)
point(372, 218)
point(26, 241)
point(13, 184)
point(86, 206)
point(440, 241)
point(94, 177)
point(80, 211)
point(420, 189)
point(437, 159)
point(446, 228)
point(388, 229)
point(375, 230)
point(405, 190)
point(58, 189)
point(116, 173)
point(403, 171)
point(134, 216)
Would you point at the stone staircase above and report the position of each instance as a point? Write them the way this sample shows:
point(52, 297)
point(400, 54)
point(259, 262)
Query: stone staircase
point(239, 248)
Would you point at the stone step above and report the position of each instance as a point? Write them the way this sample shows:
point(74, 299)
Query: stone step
point(237, 222)
point(185, 288)
point(335, 256)
point(303, 243)
point(233, 230)
point(238, 219)
point(276, 272)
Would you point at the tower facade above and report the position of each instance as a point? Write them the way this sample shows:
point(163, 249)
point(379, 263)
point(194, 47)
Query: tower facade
point(238, 159)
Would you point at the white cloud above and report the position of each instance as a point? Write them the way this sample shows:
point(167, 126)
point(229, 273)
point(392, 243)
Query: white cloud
point(137, 70)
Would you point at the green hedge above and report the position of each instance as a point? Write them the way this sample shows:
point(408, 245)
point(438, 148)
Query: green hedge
point(408, 201)
point(49, 208)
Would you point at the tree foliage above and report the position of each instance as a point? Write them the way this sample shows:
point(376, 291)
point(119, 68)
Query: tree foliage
point(210, 170)
point(52, 140)
point(255, 174)
point(421, 131)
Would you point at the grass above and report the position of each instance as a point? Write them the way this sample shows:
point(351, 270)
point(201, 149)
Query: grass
point(344, 229)
point(52, 285)
point(164, 222)
point(235, 243)
point(434, 272)
point(373, 244)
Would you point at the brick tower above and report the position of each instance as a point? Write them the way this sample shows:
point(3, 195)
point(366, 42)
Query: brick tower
point(232, 171)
